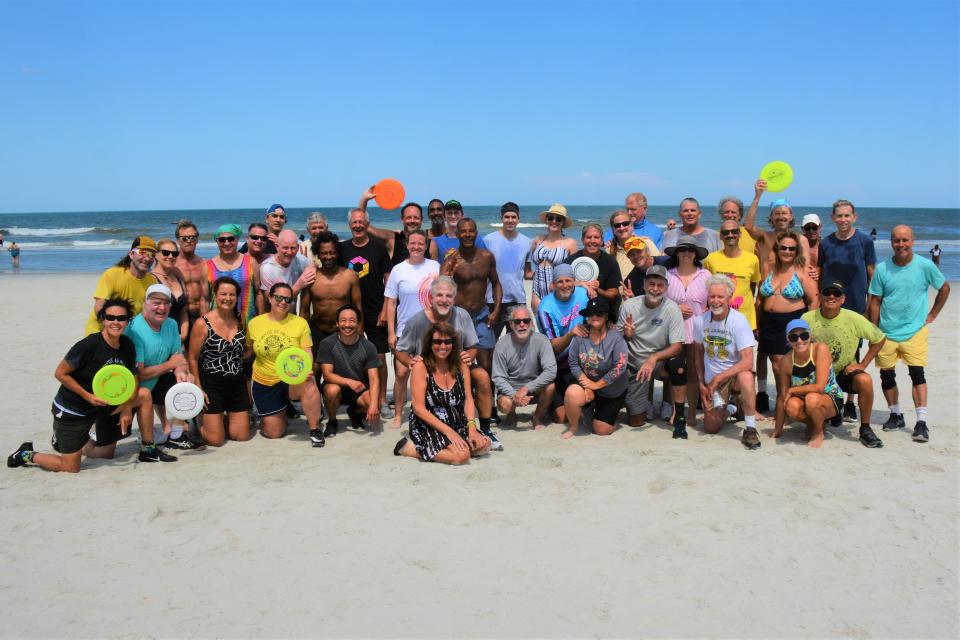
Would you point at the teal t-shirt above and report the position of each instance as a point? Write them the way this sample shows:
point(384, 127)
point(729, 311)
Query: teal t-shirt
point(154, 347)
point(903, 310)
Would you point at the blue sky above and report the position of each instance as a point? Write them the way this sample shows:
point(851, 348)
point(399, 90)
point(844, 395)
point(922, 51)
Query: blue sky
point(144, 105)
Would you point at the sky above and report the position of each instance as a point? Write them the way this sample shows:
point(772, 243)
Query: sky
point(193, 105)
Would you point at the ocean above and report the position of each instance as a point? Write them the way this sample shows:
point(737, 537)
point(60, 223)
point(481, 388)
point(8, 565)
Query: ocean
point(91, 241)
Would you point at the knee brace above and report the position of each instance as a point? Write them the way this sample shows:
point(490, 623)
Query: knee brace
point(676, 368)
point(916, 376)
point(888, 379)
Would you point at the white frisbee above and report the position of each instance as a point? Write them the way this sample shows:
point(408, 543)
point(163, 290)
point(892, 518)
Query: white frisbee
point(184, 401)
point(585, 269)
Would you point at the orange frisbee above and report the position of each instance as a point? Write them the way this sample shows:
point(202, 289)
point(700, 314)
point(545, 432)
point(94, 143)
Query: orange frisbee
point(389, 193)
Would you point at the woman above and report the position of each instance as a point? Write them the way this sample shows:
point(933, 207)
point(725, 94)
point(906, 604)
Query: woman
point(549, 250)
point(217, 348)
point(785, 294)
point(687, 286)
point(240, 267)
point(407, 293)
point(443, 427)
point(76, 409)
point(598, 364)
point(622, 226)
point(268, 334)
point(167, 273)
point(811, 393)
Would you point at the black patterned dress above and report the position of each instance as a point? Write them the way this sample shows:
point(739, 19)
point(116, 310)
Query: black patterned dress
point(449, 407)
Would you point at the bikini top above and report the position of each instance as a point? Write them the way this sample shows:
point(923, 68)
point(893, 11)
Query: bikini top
point(793, 290)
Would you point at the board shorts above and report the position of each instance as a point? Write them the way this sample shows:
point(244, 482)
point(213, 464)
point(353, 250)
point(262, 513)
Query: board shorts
point(638, 393)
point(773, 331)
point(913, 352)
point(72, 432)
point(270, 400)
point(485, 335)
point(226, 394)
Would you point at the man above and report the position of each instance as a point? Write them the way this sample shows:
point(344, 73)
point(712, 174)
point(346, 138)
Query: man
point(286, 265)
point(636, 206)
point(127, 280)
point(160, 365)
point(810, 225)
point(435, 214)
point(512, 252)
point(690, 226)
point(443, 292)
point(472, 268)
point(898, 305)
point(558, 317)
point(524, 369)
point(781, 219)
point(652, 326)
point(724, 355)
point(274, 220)
point(842, 330)
point(349, 364)
point(193, 268)
point(256, 243)
point(741, 267)
point(731, 208)
point(316, 224)
point(369, 259)
point(607, 283)
point(333, 288)
point(411, 219)
point(443, 245)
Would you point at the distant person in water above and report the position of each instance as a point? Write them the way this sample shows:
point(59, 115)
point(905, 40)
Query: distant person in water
point(934, 254)
point(14, 250)
point(873, 234)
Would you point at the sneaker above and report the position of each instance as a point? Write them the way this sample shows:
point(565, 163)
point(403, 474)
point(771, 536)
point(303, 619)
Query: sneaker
point(385, 412)
point(15, 459)
point(356, 419)
point(836, 421)
point(495, 417)
point(750, 439)
point(54, 444)
point(316, 438)
point(680, 428)
point(869, 439)
point(895, 422)
point(763, 402)
point(292, 412)
point(183, 441)
point(849, 412)
point(495, 445)
point(331, 430)
point(920, 432)
point(154, 454)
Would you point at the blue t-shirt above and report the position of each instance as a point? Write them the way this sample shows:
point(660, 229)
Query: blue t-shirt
point(903, 310)
point(557, 318)
point(511, 258)
point(642, 228)
point(446, 244)
point(847, 261)
point(154, 347)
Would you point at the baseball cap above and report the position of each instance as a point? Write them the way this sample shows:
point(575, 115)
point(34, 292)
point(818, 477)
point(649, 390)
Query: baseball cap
point(832, 284)
point(596, 307)
point(810, 218)
point(144, 242)
point(453, 204)
point(160, 289)
point(633, 243)
point(276, 206)
point(797, 323)
point(656, 270)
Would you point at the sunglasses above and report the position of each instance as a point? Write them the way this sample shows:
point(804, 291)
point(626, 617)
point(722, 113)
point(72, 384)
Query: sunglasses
point(810, 228)
point(831, 293)
point(150, 253)
point(257, 238)
point(166, 253)
point(620, 225)
point(730, 232)
point(226, 239)
point(443, 341)
point(278, 298)
point(192, 238)
point(521, 321)
point(555, 218)
point(803, 335)
point(109, 317)
point(787, 247)
point(686, 250)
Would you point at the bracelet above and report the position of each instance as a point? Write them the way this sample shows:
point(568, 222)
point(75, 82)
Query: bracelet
point(473, 422)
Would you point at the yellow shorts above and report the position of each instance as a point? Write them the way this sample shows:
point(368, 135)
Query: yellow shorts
point(913, 352)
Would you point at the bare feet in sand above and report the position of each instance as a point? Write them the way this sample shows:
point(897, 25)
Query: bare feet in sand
point(566, 435)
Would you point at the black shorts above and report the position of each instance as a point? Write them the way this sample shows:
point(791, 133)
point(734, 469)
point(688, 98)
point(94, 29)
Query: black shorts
point(226, 394)
point(270, 400)
point(72, 432)
point(773, 331)
point(563, 380)
point(845, 380)
point(317, 337)
point(378, 336)
point(159, 391)
point(606, 409)
point(348, 396)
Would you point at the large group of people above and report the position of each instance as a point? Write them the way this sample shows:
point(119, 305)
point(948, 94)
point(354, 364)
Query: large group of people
point(706, 312)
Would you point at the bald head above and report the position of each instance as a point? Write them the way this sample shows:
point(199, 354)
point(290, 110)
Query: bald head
point(287, 236)
point(903, 231)
point(287, 247)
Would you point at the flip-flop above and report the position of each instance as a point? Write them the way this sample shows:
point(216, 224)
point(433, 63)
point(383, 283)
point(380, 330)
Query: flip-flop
point(400, 445)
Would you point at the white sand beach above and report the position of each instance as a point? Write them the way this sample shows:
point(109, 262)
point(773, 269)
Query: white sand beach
point(633, 535)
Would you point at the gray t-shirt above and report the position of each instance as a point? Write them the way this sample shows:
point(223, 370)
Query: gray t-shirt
point(271, 272)
point(654, 329)
point(531, 363)
point(707, 238)
point(351, 361)
point(412, 339)
point(722, 340)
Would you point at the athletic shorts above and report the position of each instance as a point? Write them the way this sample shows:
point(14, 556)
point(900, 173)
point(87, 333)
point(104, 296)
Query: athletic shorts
point(270, 400)
point(773, 331)
point(317, 337)
point(72, 432)
point(845, 380)
point(563, 380)
point(348, 396)
point(606, 409)
point(913, 352)
point(637, 398)
point(226, 394)
point(159, 391)
point(485, 336)
point(378, 336)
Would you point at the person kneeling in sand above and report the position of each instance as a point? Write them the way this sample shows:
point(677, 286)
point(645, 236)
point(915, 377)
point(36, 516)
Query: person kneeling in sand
point(811, 393)
point(76, 409)
point(524, 369)
point(349, 363)
point(443, 427)
point(724, 356)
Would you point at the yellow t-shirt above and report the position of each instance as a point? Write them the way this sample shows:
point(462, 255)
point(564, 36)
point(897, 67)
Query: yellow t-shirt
point(269, 337)
point(745, 271)
point(747, 243)
point(117, 282)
